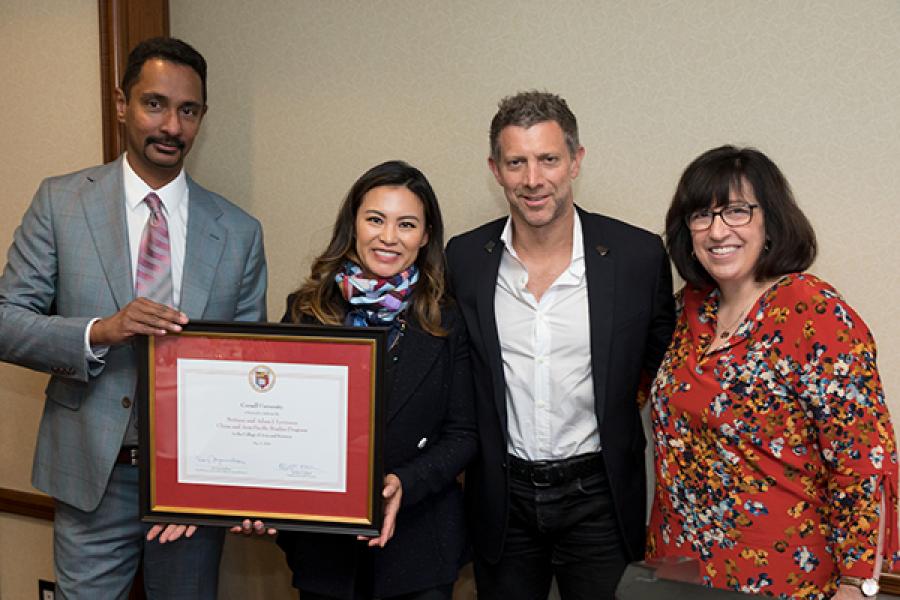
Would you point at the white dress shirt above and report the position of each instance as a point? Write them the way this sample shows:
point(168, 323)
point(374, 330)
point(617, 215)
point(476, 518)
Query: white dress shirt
point(174, 197)
point(546, 354)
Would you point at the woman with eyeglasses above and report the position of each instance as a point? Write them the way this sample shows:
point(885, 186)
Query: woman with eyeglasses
point(775, 461)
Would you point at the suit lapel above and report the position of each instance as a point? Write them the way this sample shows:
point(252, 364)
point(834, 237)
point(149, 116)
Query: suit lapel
point(418, 351)
point(205, 242)
point(600, 270)
point(485, 289)
point(104, 209)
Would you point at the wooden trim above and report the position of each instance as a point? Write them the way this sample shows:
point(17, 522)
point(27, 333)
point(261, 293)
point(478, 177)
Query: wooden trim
point(889, 583)
point(26, 504)
point(111, 63)
point(40, 506)
point(123, 24)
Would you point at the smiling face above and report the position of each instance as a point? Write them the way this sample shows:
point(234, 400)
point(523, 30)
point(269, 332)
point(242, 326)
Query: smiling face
point(162, 116)
point(390, 230)
point(729, 254)
point(536, 171)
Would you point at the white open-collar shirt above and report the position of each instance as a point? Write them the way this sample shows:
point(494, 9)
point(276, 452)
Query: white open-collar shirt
point(546, 354)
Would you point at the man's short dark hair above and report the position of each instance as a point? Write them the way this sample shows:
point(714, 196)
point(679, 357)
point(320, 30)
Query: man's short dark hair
point(530, 108)
point(707, 182)
point(166, 48)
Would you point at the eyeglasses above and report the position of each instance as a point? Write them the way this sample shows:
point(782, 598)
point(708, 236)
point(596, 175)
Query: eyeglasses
point(733, 215)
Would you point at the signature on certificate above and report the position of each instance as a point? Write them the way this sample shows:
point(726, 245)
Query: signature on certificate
point(298, 470)
point(217, 464)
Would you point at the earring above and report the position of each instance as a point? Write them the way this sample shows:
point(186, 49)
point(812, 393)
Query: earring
point(766, 245)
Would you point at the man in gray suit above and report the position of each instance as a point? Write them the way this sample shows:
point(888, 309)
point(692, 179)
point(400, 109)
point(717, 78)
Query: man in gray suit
point(69, 307)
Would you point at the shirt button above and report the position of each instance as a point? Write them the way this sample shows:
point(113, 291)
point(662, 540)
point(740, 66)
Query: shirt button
point(126, 402)
point(422, 443)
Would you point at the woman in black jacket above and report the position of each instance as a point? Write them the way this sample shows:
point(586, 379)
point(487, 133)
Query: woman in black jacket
point(384, 267)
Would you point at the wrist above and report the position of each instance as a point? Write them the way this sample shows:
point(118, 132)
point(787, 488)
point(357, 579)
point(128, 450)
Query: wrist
point(95, 333)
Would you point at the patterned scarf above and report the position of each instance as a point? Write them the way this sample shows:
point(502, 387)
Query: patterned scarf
point(375, 302)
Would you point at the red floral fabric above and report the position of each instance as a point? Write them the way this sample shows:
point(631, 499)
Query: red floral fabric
point(774, 452)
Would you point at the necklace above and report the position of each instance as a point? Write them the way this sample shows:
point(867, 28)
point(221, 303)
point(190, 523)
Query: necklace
point(726, 333)
point(761, 289)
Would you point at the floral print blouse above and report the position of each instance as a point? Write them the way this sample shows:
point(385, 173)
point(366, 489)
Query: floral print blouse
point(775, 451)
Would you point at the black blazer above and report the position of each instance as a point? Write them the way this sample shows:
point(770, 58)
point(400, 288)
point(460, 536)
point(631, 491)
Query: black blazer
point(632, 317)
point(429, 439)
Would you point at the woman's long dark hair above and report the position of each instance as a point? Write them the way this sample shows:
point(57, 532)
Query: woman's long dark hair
point(319, 296)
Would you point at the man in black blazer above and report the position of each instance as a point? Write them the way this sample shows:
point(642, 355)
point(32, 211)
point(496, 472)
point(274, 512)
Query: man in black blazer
point(569, 314)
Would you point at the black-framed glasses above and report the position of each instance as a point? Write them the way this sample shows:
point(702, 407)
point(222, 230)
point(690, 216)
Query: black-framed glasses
point(733, 215)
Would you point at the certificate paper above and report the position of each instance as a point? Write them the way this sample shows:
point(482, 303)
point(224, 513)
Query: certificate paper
point(276, 425)
point(263, 421)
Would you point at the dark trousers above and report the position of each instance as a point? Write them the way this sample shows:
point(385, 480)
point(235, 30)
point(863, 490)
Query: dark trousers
point(567, 530)
point(443, 592)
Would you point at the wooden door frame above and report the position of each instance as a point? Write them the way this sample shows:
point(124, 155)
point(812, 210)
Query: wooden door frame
point(123, 24)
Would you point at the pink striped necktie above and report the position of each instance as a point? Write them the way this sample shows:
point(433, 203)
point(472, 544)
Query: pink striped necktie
point(154, 267)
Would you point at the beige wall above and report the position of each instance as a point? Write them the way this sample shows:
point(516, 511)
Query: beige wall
point(305, 95)
point(50, 119)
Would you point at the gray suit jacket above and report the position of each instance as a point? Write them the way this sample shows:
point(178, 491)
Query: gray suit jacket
point(70, 262)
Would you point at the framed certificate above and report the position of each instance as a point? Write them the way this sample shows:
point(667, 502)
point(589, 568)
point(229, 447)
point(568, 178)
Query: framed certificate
point(281, 423)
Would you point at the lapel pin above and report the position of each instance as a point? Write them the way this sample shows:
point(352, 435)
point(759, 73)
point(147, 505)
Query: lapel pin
point(490, 246)
point(602, 250)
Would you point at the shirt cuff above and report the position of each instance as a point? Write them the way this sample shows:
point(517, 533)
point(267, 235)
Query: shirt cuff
point(93, 354)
